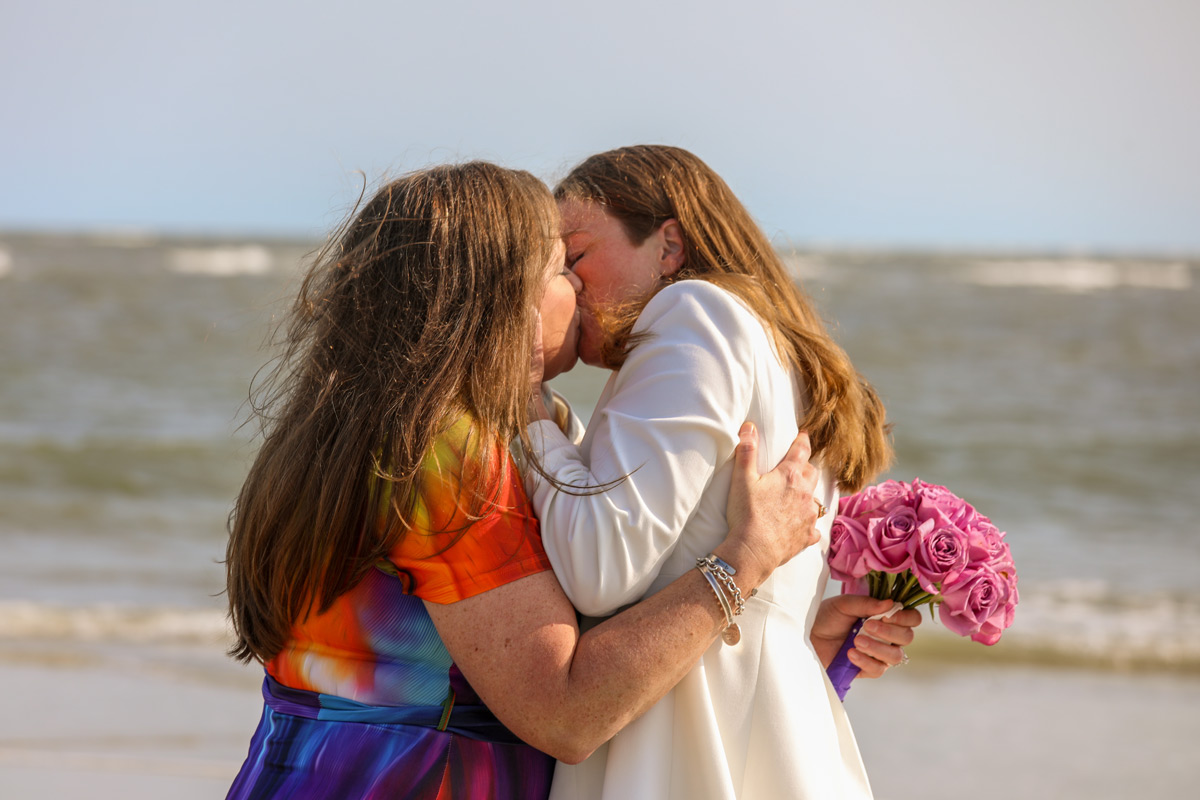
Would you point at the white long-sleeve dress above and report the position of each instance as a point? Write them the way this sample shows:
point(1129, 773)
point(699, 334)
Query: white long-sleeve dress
point(755, 720)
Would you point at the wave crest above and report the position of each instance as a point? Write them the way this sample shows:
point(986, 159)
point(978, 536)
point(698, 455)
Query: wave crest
point(1081, 275)
point(221, 261)
point(108, 623)
point(1085, 623)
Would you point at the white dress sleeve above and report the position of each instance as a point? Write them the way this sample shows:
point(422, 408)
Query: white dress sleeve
point(671, 419)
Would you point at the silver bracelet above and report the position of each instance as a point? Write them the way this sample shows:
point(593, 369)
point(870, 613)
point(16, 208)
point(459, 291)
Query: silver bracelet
point(724, 573)
point(720, 576)
point(721, 598)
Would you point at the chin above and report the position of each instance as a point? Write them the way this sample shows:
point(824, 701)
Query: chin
point(589, 351)
point(562, 361)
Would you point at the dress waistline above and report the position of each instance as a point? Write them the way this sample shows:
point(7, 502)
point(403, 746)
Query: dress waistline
point(472, 721)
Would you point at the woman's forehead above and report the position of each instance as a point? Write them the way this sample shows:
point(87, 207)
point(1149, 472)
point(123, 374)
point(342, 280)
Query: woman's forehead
point(585, 220)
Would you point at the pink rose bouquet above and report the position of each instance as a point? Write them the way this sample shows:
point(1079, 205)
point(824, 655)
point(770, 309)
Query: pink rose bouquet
point(919, 544)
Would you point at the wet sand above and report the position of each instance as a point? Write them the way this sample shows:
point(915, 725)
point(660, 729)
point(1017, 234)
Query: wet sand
point(107, 721)
point(118, 722)
point(998, 733)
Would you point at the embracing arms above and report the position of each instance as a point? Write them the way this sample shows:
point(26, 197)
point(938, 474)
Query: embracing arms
point(565, 693)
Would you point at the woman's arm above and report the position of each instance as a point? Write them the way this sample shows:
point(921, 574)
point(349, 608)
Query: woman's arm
point(666, 427)
point(520, 648)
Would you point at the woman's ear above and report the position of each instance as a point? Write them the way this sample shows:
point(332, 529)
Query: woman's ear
point(671, 255)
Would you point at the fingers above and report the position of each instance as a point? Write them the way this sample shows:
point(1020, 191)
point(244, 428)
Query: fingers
point(745, 456)
point(889, 633)
point(874, 658)
point(862, 606)
point(796, 462)
point(880, 644)
point(777, 506)
point(747, 448)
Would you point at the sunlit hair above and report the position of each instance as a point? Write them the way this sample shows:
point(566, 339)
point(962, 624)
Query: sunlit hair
point(418, 310)
point(646, 185)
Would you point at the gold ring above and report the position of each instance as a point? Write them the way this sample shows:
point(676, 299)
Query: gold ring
point(821, 509)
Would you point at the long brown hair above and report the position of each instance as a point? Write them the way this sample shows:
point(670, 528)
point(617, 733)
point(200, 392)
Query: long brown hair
point(418, 312)
point(646, 185)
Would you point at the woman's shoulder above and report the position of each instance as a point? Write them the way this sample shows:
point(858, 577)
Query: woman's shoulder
point(471, 527)
point(700, 304)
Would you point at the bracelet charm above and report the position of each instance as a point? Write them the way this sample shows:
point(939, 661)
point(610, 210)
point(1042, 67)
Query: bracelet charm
point(720, 577)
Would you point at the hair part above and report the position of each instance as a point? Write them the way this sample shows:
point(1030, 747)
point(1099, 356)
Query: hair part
point(418, 311)
point(646, 185)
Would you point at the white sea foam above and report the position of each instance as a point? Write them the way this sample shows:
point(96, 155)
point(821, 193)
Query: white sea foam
point(29, 620)
point(221, 261)
point(1087, 622)
point(1081, 275)
point(1074, 621)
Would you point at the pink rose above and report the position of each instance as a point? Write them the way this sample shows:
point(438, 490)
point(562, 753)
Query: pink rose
point(847, 549)
point(940, 557)
point(933, 493)
point(931, 499)
point(985, 540)
point(979, 604)
point(892, 539)
point(857, 586)
point(876, 500)
point(1002, 562)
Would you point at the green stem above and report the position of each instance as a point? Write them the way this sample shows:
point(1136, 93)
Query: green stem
point(906, 589)
point(919, 599)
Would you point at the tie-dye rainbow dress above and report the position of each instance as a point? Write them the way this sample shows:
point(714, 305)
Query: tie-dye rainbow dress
point(365, 701)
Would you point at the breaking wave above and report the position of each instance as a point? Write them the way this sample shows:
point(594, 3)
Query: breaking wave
point(1081, 275)
point(221, 261)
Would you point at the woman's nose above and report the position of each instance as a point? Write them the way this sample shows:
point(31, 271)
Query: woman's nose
point(573, 279)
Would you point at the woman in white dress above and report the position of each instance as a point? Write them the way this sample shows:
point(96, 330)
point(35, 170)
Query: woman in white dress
point(684, 297)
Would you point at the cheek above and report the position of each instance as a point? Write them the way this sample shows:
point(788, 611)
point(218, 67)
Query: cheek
point(558, 306)
point(600, 284)
point(616, 279)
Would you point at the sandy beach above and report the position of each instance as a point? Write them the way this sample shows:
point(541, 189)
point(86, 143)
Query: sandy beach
point(111, 720)
point(119, 721)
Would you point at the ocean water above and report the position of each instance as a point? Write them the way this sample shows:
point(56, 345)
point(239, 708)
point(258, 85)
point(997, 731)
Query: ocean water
point(1061, 396)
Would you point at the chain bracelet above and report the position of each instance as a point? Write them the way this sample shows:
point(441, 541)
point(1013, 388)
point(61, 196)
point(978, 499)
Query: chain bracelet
point(712, 564)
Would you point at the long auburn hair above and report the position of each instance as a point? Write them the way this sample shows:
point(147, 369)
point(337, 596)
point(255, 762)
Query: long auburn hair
point(417, 313)
point(644, 186)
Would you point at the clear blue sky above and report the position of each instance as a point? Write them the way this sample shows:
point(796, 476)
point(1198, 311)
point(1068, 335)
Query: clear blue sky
point(1059, 124)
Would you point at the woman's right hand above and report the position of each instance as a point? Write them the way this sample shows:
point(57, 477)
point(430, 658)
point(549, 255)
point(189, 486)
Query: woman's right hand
point(772, 517)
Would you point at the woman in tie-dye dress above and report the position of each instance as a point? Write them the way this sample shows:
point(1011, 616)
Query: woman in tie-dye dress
point(384, 563)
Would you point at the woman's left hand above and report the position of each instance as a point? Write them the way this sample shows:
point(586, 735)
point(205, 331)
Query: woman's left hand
point(837, 615)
